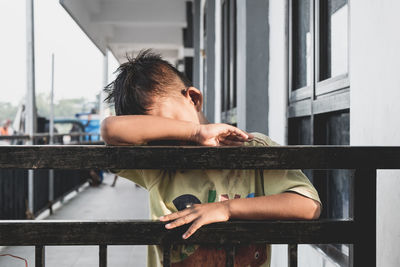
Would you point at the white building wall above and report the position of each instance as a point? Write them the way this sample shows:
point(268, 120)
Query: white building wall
point(277, 71)
point(374, 57)
point(375, 109)
point(277, 95)
point(308, 256)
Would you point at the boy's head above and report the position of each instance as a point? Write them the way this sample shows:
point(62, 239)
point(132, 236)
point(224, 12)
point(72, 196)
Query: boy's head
point(149, 85)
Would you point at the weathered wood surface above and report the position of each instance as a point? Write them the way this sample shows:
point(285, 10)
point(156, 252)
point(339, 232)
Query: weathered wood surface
point(44, 135)
point(14, 137)
point(26, 233)
point(174, 157)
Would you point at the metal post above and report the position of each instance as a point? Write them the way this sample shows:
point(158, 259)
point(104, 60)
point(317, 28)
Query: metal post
point(103, 255)
point(51, 127)
point(40, 255)
point(166, 255)
point(230, 255)
point(105, 82)
point(30, 120)
point(196, 43)
point(364, 248)
point(51, 133)
point(292, 255)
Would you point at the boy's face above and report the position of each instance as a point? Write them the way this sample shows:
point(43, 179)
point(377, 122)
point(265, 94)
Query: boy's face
point(184, 107)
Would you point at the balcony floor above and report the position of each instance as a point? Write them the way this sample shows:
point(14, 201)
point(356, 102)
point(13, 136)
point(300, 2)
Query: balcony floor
point(124, 201)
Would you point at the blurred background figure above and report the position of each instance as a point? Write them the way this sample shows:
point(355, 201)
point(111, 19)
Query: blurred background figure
point(5, 128)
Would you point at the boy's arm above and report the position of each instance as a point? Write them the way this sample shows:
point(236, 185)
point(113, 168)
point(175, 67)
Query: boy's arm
point(140, 129)
point(279, 206)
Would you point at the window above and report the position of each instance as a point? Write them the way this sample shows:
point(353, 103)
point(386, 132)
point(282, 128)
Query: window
point(333, 32)
point(228, 61)
point(204, 55)
point(188, 42)
point(319, 93)
point(302, 43)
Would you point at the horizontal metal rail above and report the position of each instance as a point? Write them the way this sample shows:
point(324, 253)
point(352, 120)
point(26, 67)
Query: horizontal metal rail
point(361, 231)
point(31, 233)
point(45, 135)
point(172, 157)
point(15, 137)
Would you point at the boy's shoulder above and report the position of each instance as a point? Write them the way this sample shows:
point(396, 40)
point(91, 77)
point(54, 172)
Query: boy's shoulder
point(261, 140)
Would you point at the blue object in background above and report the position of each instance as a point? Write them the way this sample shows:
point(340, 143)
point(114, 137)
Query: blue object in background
point(91, 126)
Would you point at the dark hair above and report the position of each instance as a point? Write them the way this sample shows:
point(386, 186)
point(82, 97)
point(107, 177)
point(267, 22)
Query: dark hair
point(141, 78)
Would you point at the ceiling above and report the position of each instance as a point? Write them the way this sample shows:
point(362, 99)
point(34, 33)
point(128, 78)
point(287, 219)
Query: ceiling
point(127, 26)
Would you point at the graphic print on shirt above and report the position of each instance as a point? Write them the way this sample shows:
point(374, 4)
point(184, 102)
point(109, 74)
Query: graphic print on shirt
point(184, 201)
point(193, 255)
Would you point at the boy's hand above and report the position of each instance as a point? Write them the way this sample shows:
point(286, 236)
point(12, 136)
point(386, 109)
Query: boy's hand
point(198, 215)
point(220, 134)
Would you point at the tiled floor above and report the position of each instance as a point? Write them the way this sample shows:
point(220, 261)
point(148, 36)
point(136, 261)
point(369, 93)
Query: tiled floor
point(124, 201)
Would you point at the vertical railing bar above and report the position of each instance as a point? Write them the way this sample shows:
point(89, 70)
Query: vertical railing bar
point(40, 256)
point(351, 255)
point(167, 255)
point(364, 248)
point(103, 255)
point(230, 255)
point(292, 255)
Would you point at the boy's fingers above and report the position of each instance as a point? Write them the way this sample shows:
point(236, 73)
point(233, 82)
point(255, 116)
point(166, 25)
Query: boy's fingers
point(192, 229)
point(174, 215)
point(181, 221)
point(241, 133)
point(232, 140)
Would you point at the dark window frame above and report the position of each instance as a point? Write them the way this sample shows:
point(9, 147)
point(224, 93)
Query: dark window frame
point(327, 96)
point(228, 62)
point(203, 57)
point(328, 88)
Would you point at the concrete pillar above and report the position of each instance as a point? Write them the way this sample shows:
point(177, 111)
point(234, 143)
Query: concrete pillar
point(51, 130)
point(241, 74)
point(217, 61)
point(196, 43)
point(252, 65)
point(374, 107)
point(210, 56)
point(30, 107)
point(257, 59)
point(105, 82)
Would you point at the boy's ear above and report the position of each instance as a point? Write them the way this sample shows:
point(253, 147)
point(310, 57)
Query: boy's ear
point(196, 96)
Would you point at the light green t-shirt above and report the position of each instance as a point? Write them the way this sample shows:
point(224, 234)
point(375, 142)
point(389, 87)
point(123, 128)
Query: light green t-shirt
point(171, 191)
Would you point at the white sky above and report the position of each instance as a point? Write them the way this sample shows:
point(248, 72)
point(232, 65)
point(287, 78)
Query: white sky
point(78, 62)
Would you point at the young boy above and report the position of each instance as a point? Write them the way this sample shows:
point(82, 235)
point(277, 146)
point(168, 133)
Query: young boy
point(155, 102)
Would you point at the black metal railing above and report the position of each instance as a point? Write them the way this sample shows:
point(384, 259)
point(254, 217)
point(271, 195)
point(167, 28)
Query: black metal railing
point(44, 138)
point(359, 231)
point(14, 189)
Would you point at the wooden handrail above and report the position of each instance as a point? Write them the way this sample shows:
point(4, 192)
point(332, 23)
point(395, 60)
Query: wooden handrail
point(360, 231)
point(172, 157)
point(31, 233)
point(45, 135)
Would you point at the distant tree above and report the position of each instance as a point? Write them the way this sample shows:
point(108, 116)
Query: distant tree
point(65, 108)
point(7, 111)
point(69, 107)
